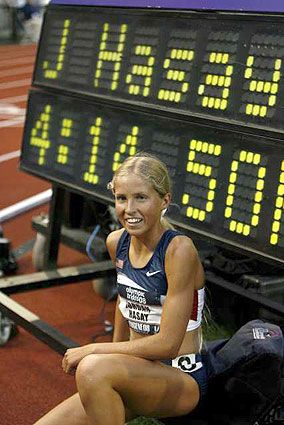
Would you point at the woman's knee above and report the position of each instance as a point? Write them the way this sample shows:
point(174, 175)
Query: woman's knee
point(98, 374)
point(96, 369)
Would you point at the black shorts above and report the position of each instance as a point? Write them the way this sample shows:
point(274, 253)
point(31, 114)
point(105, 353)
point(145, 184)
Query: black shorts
point(193, 365)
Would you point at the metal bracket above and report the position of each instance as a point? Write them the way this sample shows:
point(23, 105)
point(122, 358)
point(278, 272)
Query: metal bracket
point(31, 322)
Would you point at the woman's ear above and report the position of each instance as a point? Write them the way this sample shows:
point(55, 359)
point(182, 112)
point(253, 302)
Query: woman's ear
point(166, 201)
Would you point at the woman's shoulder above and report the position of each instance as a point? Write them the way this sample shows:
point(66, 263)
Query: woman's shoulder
point(112, 241)
point(179, 242)
point(181, 246)
point(182, 253)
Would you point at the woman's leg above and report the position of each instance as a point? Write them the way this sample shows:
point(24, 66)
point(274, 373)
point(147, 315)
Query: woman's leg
point(69, 412)
point(108, 384)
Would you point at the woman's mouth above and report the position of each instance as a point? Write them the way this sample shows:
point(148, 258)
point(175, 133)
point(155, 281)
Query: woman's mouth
point(133, 221)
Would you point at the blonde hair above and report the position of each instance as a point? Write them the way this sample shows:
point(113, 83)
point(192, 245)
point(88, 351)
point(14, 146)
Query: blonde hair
point(149, 168)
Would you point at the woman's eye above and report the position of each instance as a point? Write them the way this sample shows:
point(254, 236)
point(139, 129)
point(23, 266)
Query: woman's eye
point(120, 198)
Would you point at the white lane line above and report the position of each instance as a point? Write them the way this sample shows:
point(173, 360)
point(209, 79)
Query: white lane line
point(16, 71)
point(25, 205)
point(18, 83)
point(15, 99)
point(11, 155)
point(17, 121)
point(18, 61)
point(10, 109)
point(4, 117)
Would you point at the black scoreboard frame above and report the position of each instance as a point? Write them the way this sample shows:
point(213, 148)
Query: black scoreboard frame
point(272, 137)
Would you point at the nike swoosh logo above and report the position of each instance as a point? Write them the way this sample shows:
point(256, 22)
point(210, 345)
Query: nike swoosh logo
point(152, 273)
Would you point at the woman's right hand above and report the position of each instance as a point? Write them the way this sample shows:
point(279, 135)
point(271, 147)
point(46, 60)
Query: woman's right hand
point(73, 356)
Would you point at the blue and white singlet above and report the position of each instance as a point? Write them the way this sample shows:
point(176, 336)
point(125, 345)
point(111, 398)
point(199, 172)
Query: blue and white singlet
point(142, 291)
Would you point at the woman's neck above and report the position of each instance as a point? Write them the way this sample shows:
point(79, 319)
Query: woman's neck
point(147, 242)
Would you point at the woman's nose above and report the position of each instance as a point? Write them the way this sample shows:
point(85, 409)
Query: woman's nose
point(130, 206)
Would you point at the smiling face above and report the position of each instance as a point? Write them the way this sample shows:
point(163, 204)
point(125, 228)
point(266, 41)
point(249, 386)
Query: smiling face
point(138, 205)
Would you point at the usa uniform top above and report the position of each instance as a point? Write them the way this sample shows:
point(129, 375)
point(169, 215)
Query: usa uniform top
point(143, 291)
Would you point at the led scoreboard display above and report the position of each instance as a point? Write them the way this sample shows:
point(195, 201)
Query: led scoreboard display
point(202, 91)
point(228, 67)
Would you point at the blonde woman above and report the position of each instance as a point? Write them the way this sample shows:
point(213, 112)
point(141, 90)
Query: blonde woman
point(153, 366)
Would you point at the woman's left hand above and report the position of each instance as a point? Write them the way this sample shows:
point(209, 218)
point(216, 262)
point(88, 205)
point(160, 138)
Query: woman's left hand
point(73, 356)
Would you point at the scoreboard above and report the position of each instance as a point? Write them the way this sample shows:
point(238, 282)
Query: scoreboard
point(204, 91)
point(227, 68)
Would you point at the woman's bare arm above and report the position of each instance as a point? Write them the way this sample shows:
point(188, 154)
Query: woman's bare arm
point(121, 329)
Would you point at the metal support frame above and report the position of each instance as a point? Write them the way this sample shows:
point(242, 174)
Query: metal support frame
point(60, 276)
point(56, 211)
point(31, 322)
